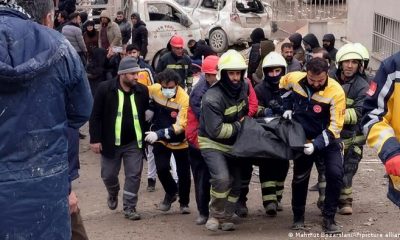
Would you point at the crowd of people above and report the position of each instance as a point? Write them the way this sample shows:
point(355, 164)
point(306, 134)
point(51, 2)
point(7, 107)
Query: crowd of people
point(182, 128)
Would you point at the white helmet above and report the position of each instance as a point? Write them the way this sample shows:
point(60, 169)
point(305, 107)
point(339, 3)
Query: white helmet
point(348, 52)
point(274, 59)
point(231, 60)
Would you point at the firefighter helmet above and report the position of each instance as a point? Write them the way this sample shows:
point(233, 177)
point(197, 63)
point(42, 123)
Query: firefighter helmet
point(210, 64)
point(363, 50)
point(348, 52)
point(274, 59)
point(177, 41)
point(231, 60)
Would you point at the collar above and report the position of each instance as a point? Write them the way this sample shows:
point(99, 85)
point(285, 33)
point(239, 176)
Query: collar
point(13, 10)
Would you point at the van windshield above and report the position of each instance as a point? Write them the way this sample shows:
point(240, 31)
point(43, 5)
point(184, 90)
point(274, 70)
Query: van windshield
point(246, 6)
point(188, 3)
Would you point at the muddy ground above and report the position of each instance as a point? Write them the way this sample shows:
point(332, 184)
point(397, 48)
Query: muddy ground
point(373, 213)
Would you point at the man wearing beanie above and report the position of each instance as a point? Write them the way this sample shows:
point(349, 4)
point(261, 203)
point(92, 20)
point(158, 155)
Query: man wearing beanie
point(117, 127)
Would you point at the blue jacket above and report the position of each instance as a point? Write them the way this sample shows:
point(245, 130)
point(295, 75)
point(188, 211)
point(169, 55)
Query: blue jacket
point(196, 95)
point(43, 90)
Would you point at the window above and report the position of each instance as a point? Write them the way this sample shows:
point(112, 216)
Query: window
point(163, 12)
point(385, 36)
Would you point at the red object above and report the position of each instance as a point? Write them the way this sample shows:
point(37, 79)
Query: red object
point(174, 114)
point(192, 128)
point(210, 64)
point(176, 41)
point(253, 101)
point(372, 89)
point(393, 166)
point(317, 108)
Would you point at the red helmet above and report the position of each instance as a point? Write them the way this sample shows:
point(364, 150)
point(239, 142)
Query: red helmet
point(210, 64)
point(176, 41)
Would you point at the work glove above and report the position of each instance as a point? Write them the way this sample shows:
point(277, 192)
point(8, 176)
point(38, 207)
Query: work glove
point(393, 166)
point(148, 115)
point(308, 148)
point(151, 137)
point(287, 114)
point(268, 112)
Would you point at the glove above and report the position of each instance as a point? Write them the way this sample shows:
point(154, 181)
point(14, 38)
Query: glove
point(287, 114)
point(151, 137)
point(393, 166)
point(308, 148)
point(268, 112)
point(148, 115)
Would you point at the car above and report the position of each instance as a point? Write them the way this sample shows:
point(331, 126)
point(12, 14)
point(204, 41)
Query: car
point(228, 22)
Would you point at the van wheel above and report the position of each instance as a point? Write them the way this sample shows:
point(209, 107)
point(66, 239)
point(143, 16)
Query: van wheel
point(218, 40)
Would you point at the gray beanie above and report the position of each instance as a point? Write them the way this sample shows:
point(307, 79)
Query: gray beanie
point(128, 65)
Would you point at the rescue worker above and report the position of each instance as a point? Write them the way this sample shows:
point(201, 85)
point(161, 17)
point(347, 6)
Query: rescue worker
point(272, 172)
point(317, 102)
point(178, 61)
point(365, 54)
point(201, 174)
point(223, 107)
point(167, 134)
point(381, 121)
point(328, 43)
point(117, 126)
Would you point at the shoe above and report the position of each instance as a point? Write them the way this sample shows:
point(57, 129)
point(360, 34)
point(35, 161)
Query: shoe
point(165, 205)
point(313, 188)
point(241, 209)
point(151, 184)
point(112, 202)
point(185, 209)
point(131, 214)
point(298, 223)
point(82, 136)
point(329, 226)
point(227, 226)
point(201, 220)
point(279, 207)
point(212, 224)
point(346, 210)
point(270, 209)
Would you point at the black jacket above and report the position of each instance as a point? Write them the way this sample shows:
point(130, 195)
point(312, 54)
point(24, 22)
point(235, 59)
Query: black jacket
point(140, 37)
point(254, 59)
point(105, 108)
point(268, 98)
point(126, 30)
point(181, 65)
point(202, 49)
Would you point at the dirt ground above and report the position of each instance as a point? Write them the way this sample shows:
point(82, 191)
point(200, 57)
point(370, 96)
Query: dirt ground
point(374, 217)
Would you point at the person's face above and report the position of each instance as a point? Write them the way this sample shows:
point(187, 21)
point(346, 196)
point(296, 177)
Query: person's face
point(134, 20)
point(120, 17)
point(234, 76)
point(78, 19)
point(104, 20)
point(287, 53)
point(178, 51)
point(274, 72)
point(326, 44)
point(89, 28)
point(350, 67)
point(211, 78)
point(130, 79)
point(133, 53)
point(316, 81)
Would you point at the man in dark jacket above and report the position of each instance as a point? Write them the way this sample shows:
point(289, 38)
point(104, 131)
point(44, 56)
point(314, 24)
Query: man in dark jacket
point(296, 40)
point(199, 50)
point(125, 27)
point(328, 42)
point(256, 36)
point(39, 102)
point(310, 42)
point(73, 33)
point(292, 63)
point(139, 34)
point(117, 127)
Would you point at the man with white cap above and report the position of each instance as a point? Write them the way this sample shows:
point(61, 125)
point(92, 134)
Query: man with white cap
point(117, 127)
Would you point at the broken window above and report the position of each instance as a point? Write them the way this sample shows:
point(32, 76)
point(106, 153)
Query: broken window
point(163, 12)
point(246, 6)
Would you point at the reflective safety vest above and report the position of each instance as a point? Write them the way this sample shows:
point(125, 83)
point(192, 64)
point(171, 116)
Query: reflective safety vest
point(118, 121)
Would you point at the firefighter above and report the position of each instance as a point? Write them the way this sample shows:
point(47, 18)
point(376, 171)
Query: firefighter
point(317, 102)
point(381, 121)
point(365, 54)
point(178, 61)
point(223, 107)
point(272, 172)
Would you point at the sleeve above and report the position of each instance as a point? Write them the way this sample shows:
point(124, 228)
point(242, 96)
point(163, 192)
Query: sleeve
point(253, 101)
point(191, 131)
point(181, 120)
point(286, 92)
point(377, 115)
point(337, 111)
point(354, 106)
point(196, 95)
point(127, 33)
point(144, 38)
point(214, 124)
point(81, 42)
point(161, 65)
point(117, 36)
point(95, 123)
point(189, 75)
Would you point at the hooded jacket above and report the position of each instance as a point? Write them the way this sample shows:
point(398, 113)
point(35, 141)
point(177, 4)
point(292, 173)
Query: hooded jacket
point(73, 34)
point(298, 50)
point(266, 46)
point(140, 36)
point(43, 90)
point(113, 31)
point(329, 37)
point(311, 40)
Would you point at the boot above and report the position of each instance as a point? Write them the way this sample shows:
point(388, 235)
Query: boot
point(329, 226)
point(212, 224)
point(271, 209)
point(151, 184)
point(184, 209)
point(131, 214)
point(165, 205)
point(112, 202)
point(201, 220)
point(346, 209)
point(241, 209)
point(298, 223)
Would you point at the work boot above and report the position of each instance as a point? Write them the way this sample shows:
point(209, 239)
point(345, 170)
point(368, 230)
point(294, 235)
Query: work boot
point(131, 214)
point(329, 226)
point(313, 188)
point(165, 205)
point(201, 220)
point(151, 184)
point(184, 209)
point(241, 209)
point(346, 209)
point(227, 226)
point(212, 224)
point(270, 209)
point(112, 202)
point(298, 223)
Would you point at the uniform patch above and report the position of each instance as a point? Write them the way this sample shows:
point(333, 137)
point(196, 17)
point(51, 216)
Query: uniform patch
point(174, 114)
point(317, 108)
point(372, 89)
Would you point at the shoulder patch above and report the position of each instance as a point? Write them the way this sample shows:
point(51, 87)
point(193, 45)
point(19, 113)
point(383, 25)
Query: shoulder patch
point(372, 88)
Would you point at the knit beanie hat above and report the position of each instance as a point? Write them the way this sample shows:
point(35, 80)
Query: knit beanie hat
point(128, 65)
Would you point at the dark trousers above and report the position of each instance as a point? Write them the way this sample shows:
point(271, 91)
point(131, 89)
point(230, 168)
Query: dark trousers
point(77, 227)
point(333, 161)
point(201, 177)
point(162, 156)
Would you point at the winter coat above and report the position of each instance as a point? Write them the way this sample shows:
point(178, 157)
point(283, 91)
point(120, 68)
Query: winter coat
point(202, 50)
point(268, 98)
point(73, 34)
point(266, 46)
point(311, 40)
point(331, 49)
point(298, 50)
point(294, 66)
point(126, 30)
point(254, 59)
point(113, 31)
point(140, 37)
point(182, 65)
point(381, 122)
point(105, 109)
point(91, 42)
point(43, 91)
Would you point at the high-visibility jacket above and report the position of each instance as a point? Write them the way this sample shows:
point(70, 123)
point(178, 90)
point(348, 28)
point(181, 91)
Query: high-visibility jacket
point(170, 115)
point(321, 113)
